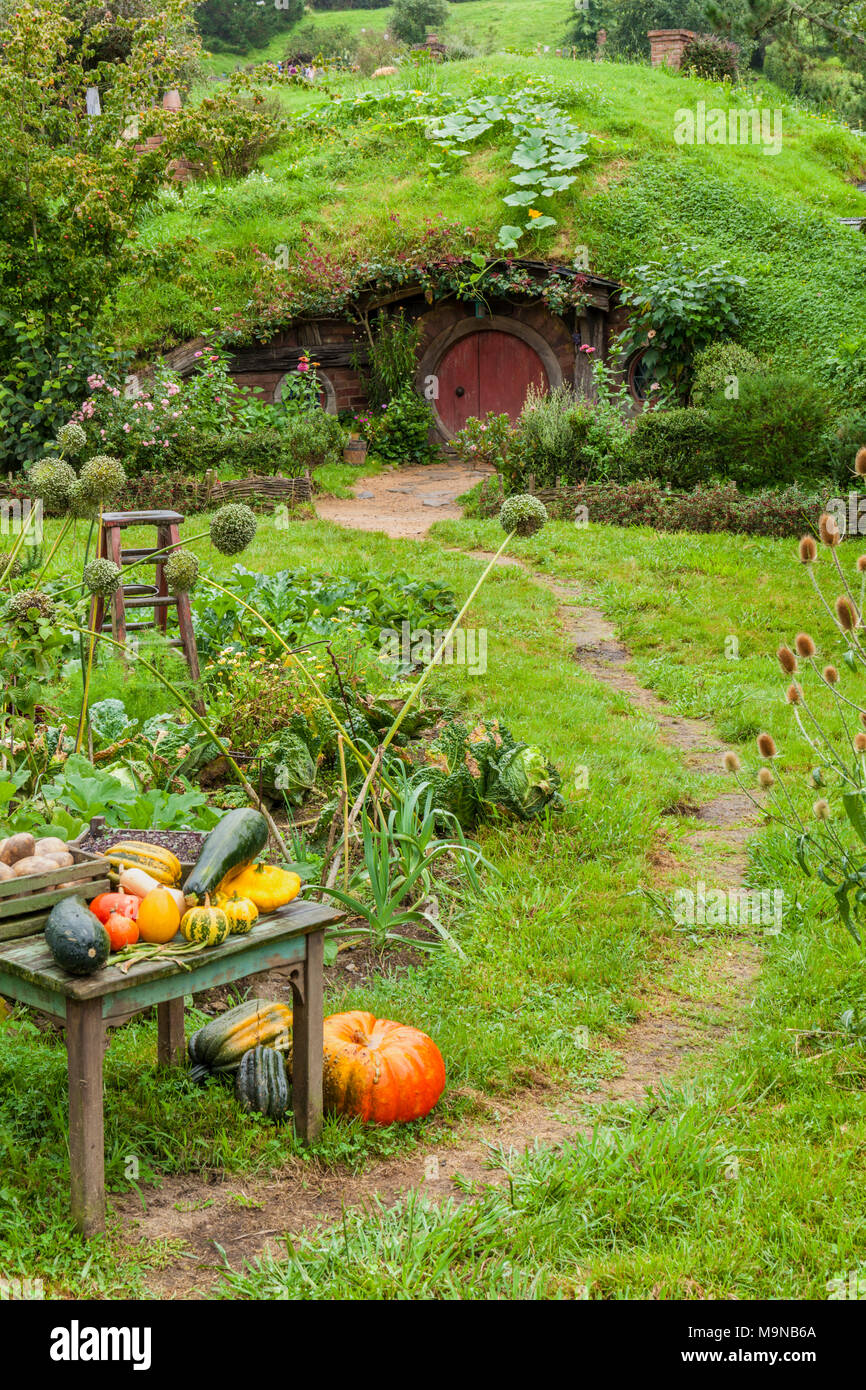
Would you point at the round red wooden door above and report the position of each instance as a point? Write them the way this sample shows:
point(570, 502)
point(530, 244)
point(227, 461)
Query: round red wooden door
point(487, 370)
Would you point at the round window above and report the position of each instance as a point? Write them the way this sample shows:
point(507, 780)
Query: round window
point(639, 376)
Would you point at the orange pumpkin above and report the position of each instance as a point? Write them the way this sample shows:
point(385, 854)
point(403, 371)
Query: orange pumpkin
point(379, 1070)
point(158, 918)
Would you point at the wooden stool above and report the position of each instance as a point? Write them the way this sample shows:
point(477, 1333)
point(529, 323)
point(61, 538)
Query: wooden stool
point(155, 596)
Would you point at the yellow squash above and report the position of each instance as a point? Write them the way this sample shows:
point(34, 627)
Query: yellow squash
point(160, 863)
point(263, 884)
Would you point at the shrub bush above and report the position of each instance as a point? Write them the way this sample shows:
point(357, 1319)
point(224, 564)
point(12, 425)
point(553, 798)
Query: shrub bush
point(840, 443)
point(710, 56)
point(716, 363)
point(676, 447)
point(549, 439)
point(770, 435)
point(238, 451)
point(400, 432)
point(411, 18)
point(311, 440)
point(720, 507)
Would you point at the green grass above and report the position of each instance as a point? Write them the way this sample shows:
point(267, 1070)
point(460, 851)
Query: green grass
point(775, 218)
point(564, 940)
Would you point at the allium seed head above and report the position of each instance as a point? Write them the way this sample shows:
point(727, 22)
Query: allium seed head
point(232, 528)
point(102, 478)
point(28, 605)
point(808, 550)
point(766, 746)
point(181, 571)
point(787, 660)
point(71, 438)
point(53, 481)
point(14, 568)
point(522, 513)
point(804, 644)
point(102, 577)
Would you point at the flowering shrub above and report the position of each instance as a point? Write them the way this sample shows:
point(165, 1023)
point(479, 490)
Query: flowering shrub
point(174, 421)
point(708, 55)
point(301, 391)
point(485, 441)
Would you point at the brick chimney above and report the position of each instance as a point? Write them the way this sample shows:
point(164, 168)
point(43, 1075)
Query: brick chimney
point(666, 45)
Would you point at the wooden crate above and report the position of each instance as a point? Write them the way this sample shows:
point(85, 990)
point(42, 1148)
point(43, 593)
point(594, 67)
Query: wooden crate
point(26, 902)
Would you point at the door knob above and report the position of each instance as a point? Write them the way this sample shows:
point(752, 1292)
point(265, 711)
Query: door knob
point(460, 391)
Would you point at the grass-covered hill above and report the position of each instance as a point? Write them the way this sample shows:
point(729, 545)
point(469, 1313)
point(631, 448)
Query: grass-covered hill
point(355, 180)
point(490, 25)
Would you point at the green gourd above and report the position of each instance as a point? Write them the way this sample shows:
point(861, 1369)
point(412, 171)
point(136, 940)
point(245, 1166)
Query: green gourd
point(76, 939)
point(261, 1083)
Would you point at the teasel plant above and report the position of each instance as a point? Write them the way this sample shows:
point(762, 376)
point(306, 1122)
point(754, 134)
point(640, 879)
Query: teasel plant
point(823, 844)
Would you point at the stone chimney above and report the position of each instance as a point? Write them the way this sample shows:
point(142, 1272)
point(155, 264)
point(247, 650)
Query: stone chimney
point(666, 45)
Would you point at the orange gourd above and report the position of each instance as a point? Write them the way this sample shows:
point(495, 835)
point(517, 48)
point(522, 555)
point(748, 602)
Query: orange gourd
point(158, 917)
point(379, 1070)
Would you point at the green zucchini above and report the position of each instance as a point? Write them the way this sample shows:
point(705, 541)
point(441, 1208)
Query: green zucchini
point(238, 838)
point(76, 939)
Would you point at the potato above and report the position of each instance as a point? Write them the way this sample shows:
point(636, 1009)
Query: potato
point(61, 858)
point(33, 864)
point(18, 847)
point(5, 872)
point(51, 844)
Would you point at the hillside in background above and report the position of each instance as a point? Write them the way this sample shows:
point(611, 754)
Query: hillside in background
point(357, 178)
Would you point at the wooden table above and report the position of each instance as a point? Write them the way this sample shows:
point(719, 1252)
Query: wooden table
point(292, 936)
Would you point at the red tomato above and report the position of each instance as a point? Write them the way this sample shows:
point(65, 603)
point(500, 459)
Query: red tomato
point(124, 903)
point(122, 931)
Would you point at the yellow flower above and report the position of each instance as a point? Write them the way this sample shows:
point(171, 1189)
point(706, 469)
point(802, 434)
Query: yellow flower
point(533, 212)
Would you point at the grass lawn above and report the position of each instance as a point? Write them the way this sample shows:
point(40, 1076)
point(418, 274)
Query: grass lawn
point(744, 1182)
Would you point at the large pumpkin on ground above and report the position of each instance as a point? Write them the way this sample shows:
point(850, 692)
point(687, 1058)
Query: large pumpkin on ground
point(379, 1070)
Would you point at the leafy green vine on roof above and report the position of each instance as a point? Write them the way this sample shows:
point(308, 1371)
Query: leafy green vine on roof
point(548, 145)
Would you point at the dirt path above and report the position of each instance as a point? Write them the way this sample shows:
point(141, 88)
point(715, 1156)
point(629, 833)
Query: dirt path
point(404, 502)
point(674, 1034)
